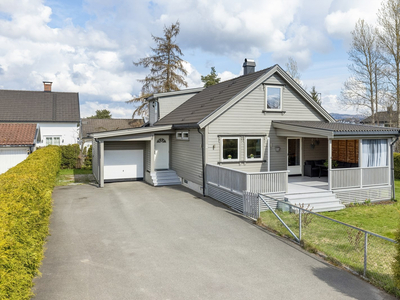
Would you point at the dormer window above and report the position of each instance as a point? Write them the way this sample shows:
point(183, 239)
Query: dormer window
point(273, 98)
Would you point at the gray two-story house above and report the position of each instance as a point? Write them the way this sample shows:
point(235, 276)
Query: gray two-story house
point(260, 132)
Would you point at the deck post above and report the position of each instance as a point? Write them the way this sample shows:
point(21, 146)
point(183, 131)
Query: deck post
point(330, 164)
point(359, 162)
point(152, 154)
point(101, 169)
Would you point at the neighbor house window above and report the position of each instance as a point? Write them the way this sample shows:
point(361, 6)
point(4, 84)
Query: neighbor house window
point(230, 149)
point(273, 98)
point(374, 153)
point(253, 148)
point(53, 140)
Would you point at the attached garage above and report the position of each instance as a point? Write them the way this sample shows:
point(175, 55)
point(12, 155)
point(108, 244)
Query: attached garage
point(124, 161)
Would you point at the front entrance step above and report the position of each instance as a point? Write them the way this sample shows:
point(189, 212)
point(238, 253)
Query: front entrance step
point(167, 177)
point(318, 202)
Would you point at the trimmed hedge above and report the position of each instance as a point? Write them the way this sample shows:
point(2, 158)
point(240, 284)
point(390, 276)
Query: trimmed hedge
point(396, 157)
point(25, 208)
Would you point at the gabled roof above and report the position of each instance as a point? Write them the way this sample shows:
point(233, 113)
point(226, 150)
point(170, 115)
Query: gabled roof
point(12, 134)
point(35, 106)
point(382, 117)
point(334, 129)
point(101, 125)
point(204, 107)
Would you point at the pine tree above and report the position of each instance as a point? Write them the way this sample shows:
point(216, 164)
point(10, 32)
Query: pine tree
point(211, 78)
point(314, 95)
point(166, 69)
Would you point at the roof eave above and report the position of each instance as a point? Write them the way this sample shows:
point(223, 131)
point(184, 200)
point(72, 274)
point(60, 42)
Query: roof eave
point(132, 131)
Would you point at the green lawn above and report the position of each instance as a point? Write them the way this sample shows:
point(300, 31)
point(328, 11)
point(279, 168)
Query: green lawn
point(74, 171)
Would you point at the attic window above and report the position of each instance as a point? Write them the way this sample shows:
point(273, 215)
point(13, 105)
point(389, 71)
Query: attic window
point(273, 98)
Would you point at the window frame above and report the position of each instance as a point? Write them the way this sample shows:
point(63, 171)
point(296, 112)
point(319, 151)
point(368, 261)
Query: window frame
point(179, 135)
point(245, 148)
point(266, 97)
point(52, 139)
point(185, 133)
point(222, 149)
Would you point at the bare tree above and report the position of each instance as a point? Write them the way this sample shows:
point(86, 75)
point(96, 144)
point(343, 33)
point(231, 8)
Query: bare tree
point(388, 38)
point(166, 69)
point(293, 70)
point(365, 86)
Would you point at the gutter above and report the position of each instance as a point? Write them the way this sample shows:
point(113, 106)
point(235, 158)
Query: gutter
point(392, 166)
point(202, 161)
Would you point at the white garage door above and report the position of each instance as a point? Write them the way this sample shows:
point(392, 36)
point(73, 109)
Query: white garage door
point(11, 157)
point(123, 164)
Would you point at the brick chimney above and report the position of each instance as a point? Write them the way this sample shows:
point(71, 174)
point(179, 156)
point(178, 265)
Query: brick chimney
point(47, 86)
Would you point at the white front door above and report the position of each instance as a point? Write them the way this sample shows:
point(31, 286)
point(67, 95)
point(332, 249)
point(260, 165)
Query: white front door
point(161, 152)
point(294, 156)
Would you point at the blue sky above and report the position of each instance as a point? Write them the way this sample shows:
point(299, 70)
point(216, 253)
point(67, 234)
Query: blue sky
point(88, 46)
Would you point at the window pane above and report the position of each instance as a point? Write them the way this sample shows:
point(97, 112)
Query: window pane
point(230, 149)
point(374, 153)
point(56, 141)
point(49, 141)
point(273, 98)
point(253, 148)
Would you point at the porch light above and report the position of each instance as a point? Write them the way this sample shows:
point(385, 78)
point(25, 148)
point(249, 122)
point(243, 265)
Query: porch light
point(277, 148)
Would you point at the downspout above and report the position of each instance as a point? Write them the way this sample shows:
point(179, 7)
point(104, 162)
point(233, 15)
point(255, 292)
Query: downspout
point(392, 166)
point(202, 161)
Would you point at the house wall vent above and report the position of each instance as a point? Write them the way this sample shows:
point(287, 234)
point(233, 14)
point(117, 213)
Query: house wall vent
point(47, 86)
point(249, 66)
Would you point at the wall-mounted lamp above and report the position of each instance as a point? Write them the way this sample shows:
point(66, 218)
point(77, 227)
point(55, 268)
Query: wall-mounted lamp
point(277, 148)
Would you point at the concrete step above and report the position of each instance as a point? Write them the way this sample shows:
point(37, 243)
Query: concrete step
point(318, 202)
point(167, 177)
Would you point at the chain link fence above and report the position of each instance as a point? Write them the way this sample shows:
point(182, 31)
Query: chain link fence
point(365, 253)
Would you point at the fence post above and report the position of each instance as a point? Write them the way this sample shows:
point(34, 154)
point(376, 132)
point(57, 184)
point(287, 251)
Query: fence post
point(300, 224)
point(365, 253)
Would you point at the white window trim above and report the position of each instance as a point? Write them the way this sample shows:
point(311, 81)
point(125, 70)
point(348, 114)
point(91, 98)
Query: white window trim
point(266, 97)
point(222, 148)
point(52, 139)
point(182, 137)
point(245, 148)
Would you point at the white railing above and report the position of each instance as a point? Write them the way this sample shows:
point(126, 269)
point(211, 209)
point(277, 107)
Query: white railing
point(268, 182)
point(239, 181)
point(358, 177)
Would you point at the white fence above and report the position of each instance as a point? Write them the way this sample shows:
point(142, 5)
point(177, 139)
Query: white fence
point(359, 177)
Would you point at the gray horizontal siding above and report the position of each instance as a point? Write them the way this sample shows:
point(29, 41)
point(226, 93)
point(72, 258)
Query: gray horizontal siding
point(231, 199)
point(361, 195)
point(186, 157)
point(318, 152)
point(247, 118)
point(124, 145)
point(168, 104)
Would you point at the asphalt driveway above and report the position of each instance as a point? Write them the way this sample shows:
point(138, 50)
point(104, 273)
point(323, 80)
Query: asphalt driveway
point(134, 241)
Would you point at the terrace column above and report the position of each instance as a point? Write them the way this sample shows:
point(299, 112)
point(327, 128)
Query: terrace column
point(101, 168)
point(152, 154)
point(330, 164)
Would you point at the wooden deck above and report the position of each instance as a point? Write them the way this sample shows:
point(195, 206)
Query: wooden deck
point(304, 185)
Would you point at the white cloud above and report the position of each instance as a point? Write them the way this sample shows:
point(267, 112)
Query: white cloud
point(117, 110)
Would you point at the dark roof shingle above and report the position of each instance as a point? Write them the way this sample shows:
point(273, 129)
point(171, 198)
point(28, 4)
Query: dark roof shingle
point(101, 125)
point(210, 99)
point(17, 134)
point(338, 127)
point(35, 106)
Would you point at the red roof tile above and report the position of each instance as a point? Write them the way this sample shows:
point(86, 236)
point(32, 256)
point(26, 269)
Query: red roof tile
point(17, 134)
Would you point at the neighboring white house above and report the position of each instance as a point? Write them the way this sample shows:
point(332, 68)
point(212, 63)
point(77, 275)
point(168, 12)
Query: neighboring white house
point(56, 113)
point(17, 141)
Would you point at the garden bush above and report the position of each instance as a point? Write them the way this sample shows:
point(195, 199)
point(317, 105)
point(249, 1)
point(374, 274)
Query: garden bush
point(88, 159)
point(25, 208)
point(396, 157)
point(70, 156)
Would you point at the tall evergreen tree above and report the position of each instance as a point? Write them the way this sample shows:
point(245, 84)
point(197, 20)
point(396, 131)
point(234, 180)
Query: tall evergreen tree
point(167, 72)
point(314, 95)
point(211, 78)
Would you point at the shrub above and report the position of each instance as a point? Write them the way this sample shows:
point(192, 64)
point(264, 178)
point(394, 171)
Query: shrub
point(25, 208)
point(70, 156)
point(88, 159)
point(396, 262)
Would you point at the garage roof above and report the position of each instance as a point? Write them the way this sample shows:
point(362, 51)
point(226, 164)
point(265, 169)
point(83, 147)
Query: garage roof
point(101, 125)
point(17, 134)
